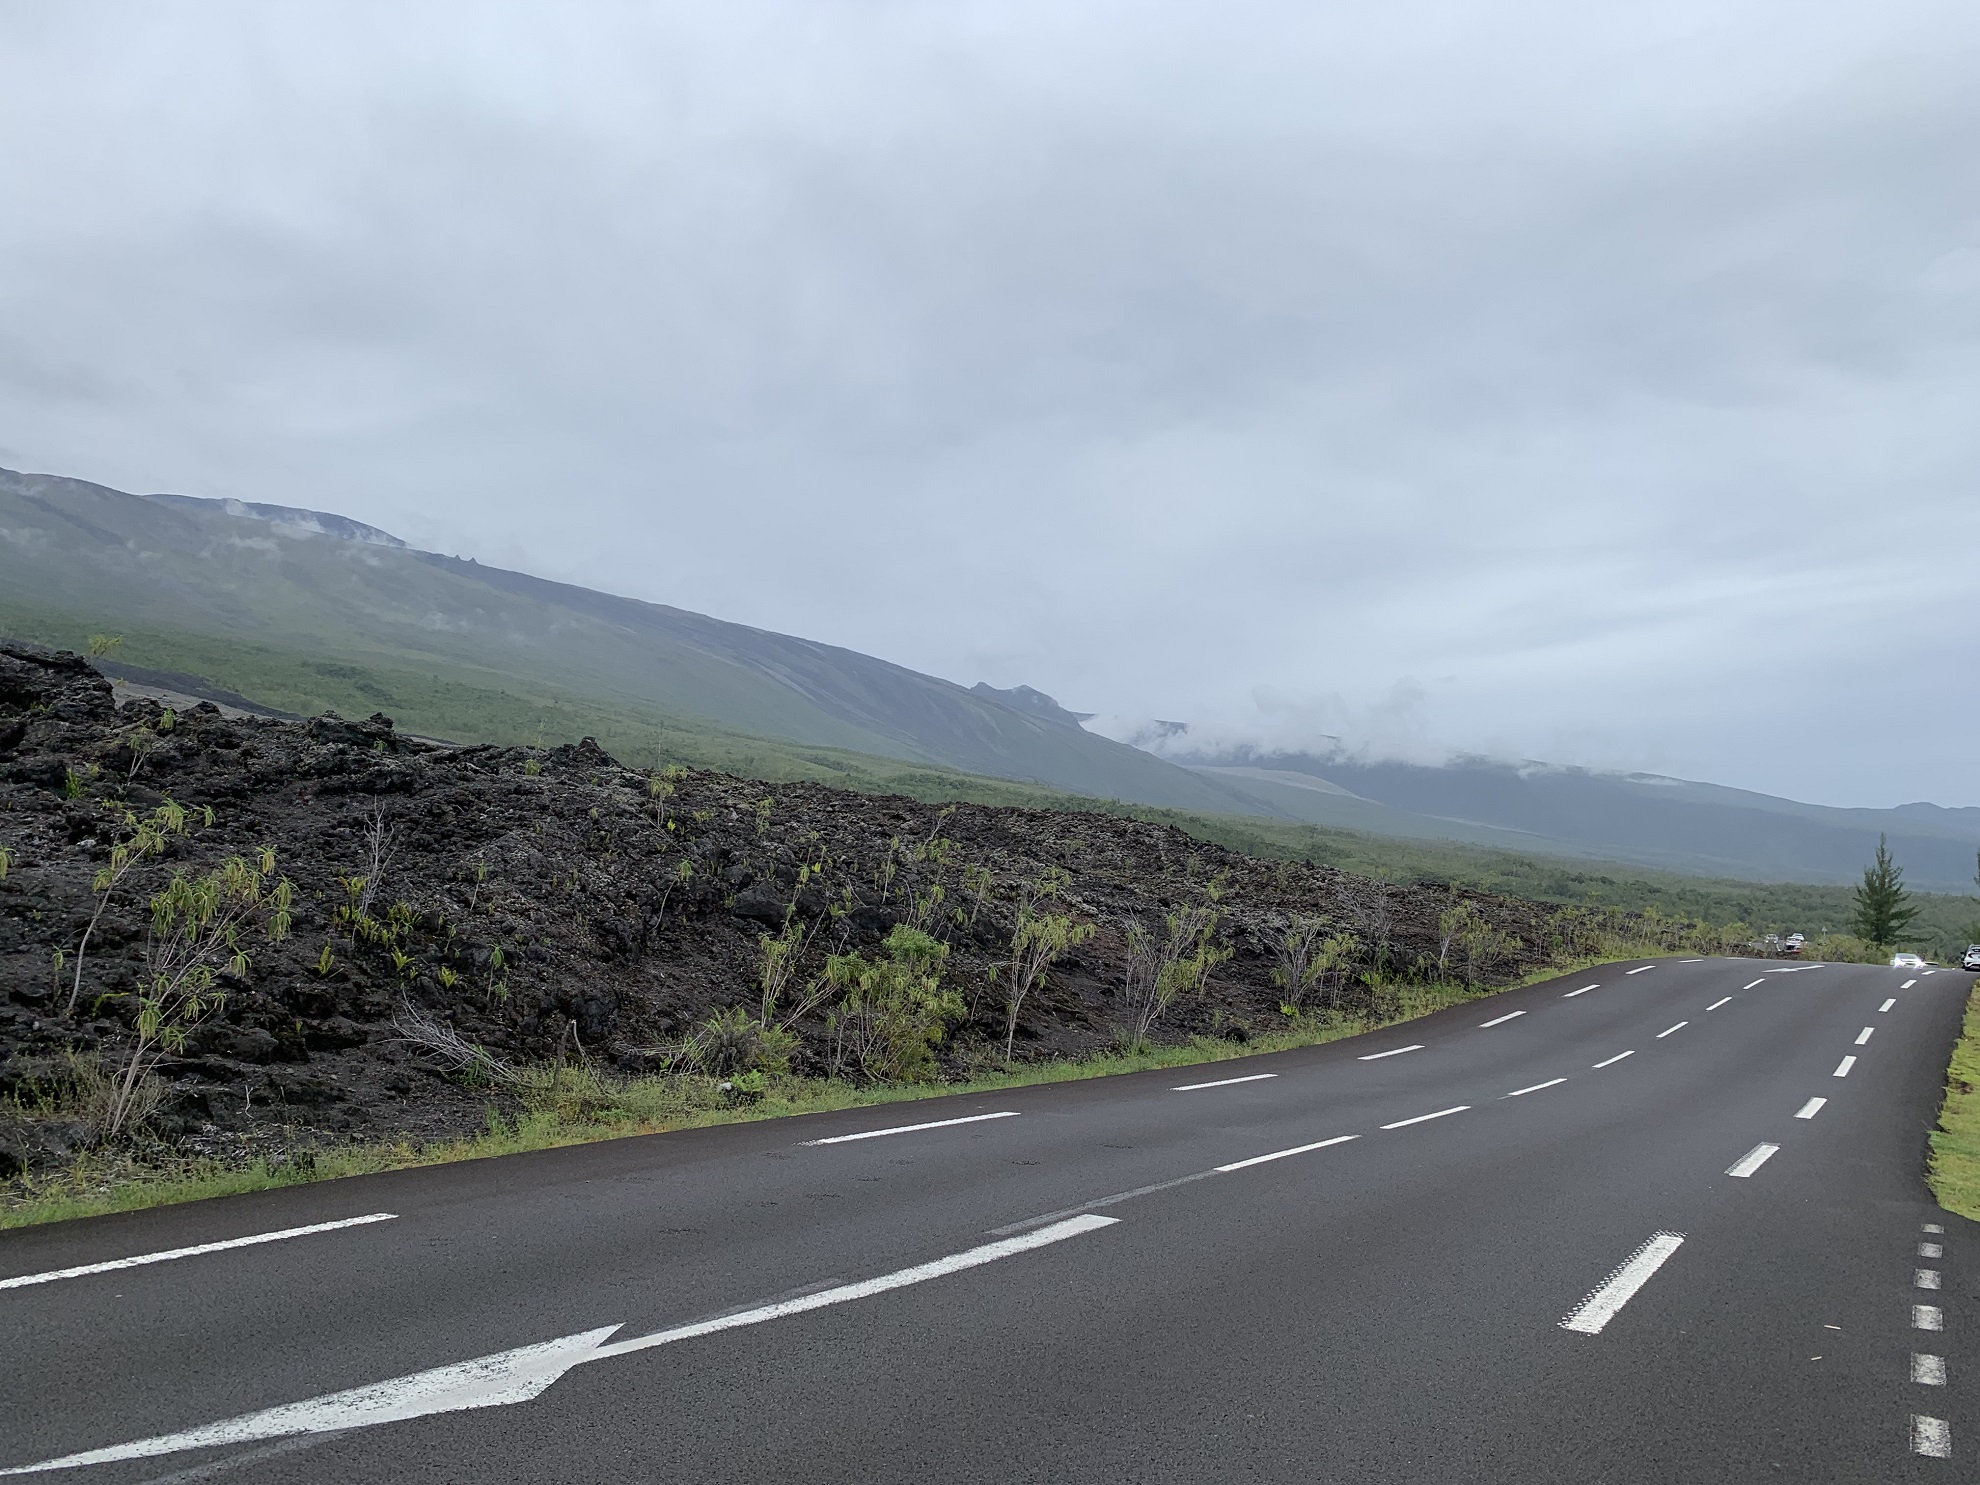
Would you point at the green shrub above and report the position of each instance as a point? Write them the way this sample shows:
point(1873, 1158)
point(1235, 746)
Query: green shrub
point(893, 1011)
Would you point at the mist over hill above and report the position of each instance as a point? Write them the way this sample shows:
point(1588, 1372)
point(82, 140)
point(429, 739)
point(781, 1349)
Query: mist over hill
point(1642, 818)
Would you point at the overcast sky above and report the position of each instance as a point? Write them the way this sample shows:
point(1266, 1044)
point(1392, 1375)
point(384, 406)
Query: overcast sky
point(1589, 383)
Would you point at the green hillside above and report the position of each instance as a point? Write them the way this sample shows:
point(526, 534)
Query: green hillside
point(304, 611)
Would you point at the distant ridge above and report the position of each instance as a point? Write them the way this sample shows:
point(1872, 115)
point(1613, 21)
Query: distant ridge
point(1647, 819)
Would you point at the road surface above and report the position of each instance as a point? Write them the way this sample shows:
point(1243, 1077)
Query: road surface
point(1671, 1226)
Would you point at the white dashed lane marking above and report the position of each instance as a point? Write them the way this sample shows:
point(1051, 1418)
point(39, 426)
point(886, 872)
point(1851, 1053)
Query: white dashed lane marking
point(1669, 1029)
point(1611, 1062)
point(1931, 1250)
point(1931, 1437)
point(1717, 1003)
point(1550, 1083)
point(874, 1134)
point(1501, 1020)
point(1864, 1035)
point(1608, 1297)
point(1641, 970)
point(1222, 1083)
point(1425, 1118)
point(1582, 991)
point(1752, 1160)
point(1907, 984)
point(1843, 1067)
point(1392, 1052)
point(1750, 984)
point(1339, 1139)
point(1810, 1109)
point(1927, 1317)
point(1885, 1006)
point(171, 1254)
point(1928, 1371)
point(1925, 1278)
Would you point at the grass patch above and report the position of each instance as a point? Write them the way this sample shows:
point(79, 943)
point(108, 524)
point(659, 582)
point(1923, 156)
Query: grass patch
point(1955, 1165)
point(587, 1105)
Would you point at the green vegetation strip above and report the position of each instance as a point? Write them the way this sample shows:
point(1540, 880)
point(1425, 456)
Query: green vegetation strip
point(1955, 1170)
point(587, 1106)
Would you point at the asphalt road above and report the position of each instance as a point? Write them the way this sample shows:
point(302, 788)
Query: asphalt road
point(965, 1302)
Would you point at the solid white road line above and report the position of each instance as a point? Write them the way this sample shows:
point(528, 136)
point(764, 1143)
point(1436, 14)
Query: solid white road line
point(1810, 1109)
point(1885, 1006)
point(1843, 1067)
point(1924, 1278)
point(1617, 1058)
point(1392, 1052)
point(1931, 1437)
point(1641, 970)
point(1550, 1083)
point(1501, 1020)
point(1931, 1250)
point(1339, 1139)
point(193, 1252)
point(1582, 991)
point(1222, 1083)
point(1750, 986)
point(874, 1134)
point(1907, 984)
point(1864, 1035)
point(1752, 1160)
point(519, 1375)
point(1927, 1317)
point(1930, 1371)
point(1045, 1218)
point(1668, 1030)
point(1602, 1304)
point(1423, 1118)
point(1717, 1003)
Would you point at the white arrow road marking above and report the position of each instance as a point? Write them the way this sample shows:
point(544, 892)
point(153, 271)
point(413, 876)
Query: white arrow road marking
point(24, 1280)
point(1603, 1302)
point(487, 1382)
point(520, 1375)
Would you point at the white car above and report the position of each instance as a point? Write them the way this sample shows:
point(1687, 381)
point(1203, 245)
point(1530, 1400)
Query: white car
point(1906, 961)
point(1971, 958)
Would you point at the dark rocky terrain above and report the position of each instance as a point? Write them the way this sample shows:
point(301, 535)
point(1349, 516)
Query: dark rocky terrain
point(571, 866)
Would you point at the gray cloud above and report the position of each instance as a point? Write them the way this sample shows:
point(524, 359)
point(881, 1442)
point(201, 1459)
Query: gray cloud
point(1607, 377)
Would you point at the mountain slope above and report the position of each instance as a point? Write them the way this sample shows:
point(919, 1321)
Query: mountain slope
point(325, 591)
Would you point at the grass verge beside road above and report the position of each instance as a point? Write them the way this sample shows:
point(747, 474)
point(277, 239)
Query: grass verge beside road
point(1955, 1164)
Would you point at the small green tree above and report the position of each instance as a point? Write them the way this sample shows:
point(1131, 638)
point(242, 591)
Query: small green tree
point(140, 839)
point(196, 928)
point(1166, 965)
point(1883, 907)
point(1037, 941)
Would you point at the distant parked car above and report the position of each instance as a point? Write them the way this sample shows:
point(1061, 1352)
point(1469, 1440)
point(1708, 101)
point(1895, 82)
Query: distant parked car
point(1906, 961)
point(1971, 958)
